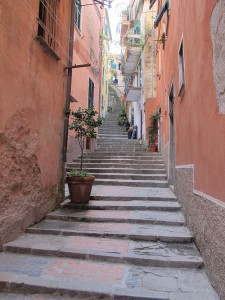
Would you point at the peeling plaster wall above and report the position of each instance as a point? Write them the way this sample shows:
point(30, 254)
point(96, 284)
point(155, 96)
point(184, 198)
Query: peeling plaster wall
point(22, 197)
point(32, 99)
point(217, 25)
point(206, 219)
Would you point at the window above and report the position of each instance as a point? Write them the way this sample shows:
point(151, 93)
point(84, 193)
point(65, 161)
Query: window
point(91, 94)
point(47, 25)
point(77, 19)
point(103, 75)
point(181, 69)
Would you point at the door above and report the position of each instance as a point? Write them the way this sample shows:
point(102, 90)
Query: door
point(172, 148)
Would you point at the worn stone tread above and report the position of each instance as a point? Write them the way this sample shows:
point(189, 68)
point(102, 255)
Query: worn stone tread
point(74, 277)
point(130, 176)
point(121, 205)
point(9, 296)
point(131, 182)
point(109, 249)
point(125, 171)
point(148, 165)
point(132, 193)
point(147, 232)
point(123, 216)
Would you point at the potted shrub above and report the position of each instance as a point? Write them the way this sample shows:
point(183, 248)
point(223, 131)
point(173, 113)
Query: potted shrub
point(152, 134)
point(80, 182)
point(153, 131)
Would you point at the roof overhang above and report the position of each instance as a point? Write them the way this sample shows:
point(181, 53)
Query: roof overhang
point(133, 95)
point(133, 55)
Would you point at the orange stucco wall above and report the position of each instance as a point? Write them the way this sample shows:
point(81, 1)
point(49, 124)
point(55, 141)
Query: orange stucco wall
point(86, 50)
point(200, 129)
point(32, 99)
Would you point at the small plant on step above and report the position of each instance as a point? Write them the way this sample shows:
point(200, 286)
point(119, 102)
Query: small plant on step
point(122, 119)
point(84, 122)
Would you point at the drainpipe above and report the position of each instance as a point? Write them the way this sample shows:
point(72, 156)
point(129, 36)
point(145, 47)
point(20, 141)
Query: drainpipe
point(69, 81)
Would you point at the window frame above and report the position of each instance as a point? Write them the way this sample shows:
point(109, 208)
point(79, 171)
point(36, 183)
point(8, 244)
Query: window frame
point(91, 93)
point(77, 15)
point(181, 68)
point(47, 26)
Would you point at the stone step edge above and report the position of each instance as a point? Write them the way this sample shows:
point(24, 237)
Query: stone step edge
point(132, 236)
point(127, 198)
point(89, 219)
point(89, 206)
point(33, 287)
point(155, 261)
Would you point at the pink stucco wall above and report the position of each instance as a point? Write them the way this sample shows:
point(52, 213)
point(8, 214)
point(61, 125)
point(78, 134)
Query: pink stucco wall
point(199, 127)
point(32, 99)
point(86, 50)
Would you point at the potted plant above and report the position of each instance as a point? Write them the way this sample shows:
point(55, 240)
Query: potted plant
point(152, 134)
point(153, 130)
point(83, 123)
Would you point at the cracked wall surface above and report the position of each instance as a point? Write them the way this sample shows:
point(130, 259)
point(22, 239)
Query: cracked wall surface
point(206, 219)
point(22, 197)
point(217, 25)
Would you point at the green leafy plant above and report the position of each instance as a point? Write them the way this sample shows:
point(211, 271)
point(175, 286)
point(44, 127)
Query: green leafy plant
point(78, 173)
point(109, 109)
point(153, 128)
point(122, 119)
point(84, 123)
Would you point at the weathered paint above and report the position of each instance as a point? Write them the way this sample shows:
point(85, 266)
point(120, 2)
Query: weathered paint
point(200, 138)
point(31, 125)
point(86, 50)
point(199, 122)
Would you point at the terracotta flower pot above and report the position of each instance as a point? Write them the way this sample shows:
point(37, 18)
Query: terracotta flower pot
point(153, 148)
point(80, 188)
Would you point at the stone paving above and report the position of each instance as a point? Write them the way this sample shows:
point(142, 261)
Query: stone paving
point(129, 242)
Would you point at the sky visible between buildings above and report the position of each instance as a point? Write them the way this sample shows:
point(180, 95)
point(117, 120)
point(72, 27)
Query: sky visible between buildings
point(115, 17)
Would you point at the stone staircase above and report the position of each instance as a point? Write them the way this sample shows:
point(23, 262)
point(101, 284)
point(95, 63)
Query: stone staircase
point(129, 242)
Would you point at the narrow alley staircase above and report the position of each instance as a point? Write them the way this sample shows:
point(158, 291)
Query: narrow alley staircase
point(129, 242)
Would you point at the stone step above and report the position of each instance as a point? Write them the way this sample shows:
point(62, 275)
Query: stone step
point(112, 136)
point(137, 232)
point(10, 296)
point(131, 193)
point(112, 131)
point(125, 205)
point(129, 176)
point(100, 280)
point(127, 182)
point(143, 156)
point(142, 166)
point(119, 160)
point(122, 152)
point(155, 254)
point(122, 216)
point(130, 171)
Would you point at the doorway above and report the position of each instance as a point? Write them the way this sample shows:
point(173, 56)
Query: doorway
point(172, 148)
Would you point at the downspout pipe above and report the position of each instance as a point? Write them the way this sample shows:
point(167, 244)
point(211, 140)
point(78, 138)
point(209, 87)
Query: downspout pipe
point(69, 81)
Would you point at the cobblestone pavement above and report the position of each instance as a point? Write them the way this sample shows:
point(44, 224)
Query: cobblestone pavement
point(129, 242)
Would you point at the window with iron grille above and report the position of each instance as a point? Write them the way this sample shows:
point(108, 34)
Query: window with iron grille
point(77, 19)
point(91, 94)
point(47, 25)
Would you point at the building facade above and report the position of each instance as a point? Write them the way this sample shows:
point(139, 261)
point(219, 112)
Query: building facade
point(139, 67)
point(85, 88)
point(34, 48)
point(105, 38)
point(190, 93)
